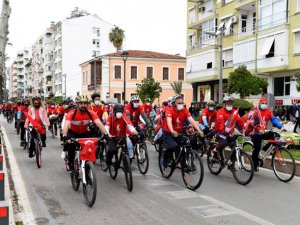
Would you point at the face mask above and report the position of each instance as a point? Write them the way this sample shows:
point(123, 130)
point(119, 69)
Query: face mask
point(66, 106)
point(211, 108)
point(119, 115)
point(136, 105)
point(52, 106)
point(26, 105)
point(263, 106)
point(37, 105)
point(179, 107)
point(97, 102)
point(228, 108)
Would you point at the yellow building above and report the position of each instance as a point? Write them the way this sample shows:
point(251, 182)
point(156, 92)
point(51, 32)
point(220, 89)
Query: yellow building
point(264, 35)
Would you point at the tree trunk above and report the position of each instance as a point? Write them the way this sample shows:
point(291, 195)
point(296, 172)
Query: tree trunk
point(5, 13)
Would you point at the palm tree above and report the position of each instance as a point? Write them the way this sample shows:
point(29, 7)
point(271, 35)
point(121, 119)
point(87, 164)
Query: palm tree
point(116, 36)
point(177, 87)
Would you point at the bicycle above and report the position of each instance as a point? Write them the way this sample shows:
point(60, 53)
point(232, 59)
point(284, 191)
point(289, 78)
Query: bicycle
point(9, 117)
point(238, 162)
point(27, 139)
point(53, 125)
point(84, 169)
point(191, 165)
point(121, 157)
point(283, 162)
point(37, 145)
point(141, 153)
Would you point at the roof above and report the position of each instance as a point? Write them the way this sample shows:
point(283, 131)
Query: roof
point(145, 54)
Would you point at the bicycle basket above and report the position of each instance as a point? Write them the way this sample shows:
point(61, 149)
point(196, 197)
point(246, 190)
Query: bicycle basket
point(88, 149)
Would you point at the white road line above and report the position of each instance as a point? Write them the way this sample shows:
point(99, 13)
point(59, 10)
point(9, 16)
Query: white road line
point(27, 216)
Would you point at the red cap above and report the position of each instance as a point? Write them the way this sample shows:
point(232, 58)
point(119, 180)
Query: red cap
point(263, 100)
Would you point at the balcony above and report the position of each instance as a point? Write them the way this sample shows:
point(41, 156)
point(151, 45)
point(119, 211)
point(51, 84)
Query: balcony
point(196, 1)
point(49, 73)
point(197, 22)
point(240, 4)
point(91, 87)
point(273, 21)
point(202, 75)
point(49, 83)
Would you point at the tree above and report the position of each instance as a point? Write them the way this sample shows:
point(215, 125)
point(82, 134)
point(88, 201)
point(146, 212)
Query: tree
point(241, 81)
point(5, 13)
point(297, 76)
point(177, 87)
point(116, 37)
point(149, 88)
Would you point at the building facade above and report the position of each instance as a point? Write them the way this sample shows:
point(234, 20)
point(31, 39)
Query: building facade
point(140, 64)
point(264, 35)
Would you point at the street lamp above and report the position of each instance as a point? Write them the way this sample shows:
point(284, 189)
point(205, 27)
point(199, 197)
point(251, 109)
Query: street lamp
point(124, 57)
point(221, 33)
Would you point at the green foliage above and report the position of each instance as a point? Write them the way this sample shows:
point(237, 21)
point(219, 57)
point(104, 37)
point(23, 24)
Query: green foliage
point(177, 87)
point(297, 75)
point(243, 105)
point(116, 36)
point(57, 99)
point(241, 81)
point(149, 88)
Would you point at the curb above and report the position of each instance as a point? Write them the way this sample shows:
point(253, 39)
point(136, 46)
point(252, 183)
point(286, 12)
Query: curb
point(26, 216)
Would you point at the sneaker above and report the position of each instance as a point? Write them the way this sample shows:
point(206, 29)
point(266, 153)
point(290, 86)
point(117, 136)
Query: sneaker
point(63, 154)
point(31, 155)
point(256, 169)
point(44, 144)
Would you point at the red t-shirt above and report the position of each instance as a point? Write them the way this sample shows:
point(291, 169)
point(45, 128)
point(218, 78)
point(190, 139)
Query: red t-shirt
point(98, 109)
point(23, 110)
point(52, 111)
point(178, 119)
point(116, 127)
point(16, 108)
point(147, 109)
point(81, 120)
point(134, 114)
point(210, 116)
point(8, 107)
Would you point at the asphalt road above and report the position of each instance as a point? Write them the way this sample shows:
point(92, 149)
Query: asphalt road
point(154, 200)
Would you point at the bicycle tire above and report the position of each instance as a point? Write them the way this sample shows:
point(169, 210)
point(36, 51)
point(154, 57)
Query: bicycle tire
point(38, 154)
point(114, 167)
point(246, 165)
point(157, 146)
point(168, 171)
point(90, 188)
point(52, 131)
point(127, 172)
point(75, 180)
point(102, 156)
point(213, 161)
point(280, 174)
point(191, 158)
point(143, 160)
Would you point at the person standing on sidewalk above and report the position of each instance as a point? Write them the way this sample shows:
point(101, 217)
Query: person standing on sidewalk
point(296, 116)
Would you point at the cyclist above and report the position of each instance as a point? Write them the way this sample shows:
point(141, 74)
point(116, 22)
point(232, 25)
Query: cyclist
point(174, 123)
point(209, 114)
point(262, 117)
point(132, 112)
point(24, 110)
point(9, 109)
point(147, 106)
point(67, 107)
point(227, 118)
point(116, 129)
point(97, 107)
point(15, 112)
point(160, 117)
point(76, 126)
point(39, 115)
point(53, 115)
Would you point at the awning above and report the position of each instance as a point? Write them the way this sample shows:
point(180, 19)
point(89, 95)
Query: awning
point(221, 25)
point(227, 26)
point(267, 46)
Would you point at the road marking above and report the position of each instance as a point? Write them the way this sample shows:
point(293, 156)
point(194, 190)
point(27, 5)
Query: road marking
point(156, 182)
point(180, 194)
point(211, 210)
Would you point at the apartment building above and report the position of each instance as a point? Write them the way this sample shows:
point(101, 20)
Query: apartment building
point(264, 35)
point(13, 81)
point(77, 39)
point(164, 68)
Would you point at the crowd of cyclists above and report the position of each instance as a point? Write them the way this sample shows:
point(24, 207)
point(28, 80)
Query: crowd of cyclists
point(94, 117)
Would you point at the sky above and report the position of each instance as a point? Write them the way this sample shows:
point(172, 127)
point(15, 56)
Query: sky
point(153, 25)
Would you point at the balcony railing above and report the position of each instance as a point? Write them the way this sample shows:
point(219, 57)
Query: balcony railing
point(273, 20)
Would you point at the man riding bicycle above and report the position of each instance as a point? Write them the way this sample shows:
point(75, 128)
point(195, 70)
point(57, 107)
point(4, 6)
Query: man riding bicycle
point(39, 115)
point(53, 115)
point(23, 109)
point(132, 112)
point(117, 128)
point(173, 125)
point(147, 106)
point(97, 107)
point(209, 114)
point(76, 126)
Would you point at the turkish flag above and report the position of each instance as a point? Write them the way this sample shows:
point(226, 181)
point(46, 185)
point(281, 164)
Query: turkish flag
point(36, 125)
point(230, 123)
point(88, 149)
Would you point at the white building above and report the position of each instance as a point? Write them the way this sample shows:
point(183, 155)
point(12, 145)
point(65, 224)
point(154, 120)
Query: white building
point(76, 39)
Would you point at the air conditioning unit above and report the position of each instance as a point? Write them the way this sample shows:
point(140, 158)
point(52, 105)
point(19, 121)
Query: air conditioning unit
point(202, 9)
point(234, 19)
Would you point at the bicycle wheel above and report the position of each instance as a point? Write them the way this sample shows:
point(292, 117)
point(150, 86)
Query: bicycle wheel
point(127, 172)
point(192, 171)
point(90, 186)
point(38, 154)
point(142, 159)
point(52, 130)
point(113, 168)
point(102, 156)
point(75, 180)
point(167, 165)
point(243, 168)
point(18, 128)
point(214, 162)
point(283, 168)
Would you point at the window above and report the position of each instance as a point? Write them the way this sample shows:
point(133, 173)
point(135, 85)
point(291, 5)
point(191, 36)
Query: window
point(149, 72)
point(48, 78)
point(96, 30)
point(192, 15)
point(133, 72)
point(209, 65)
point(244, 23)
point(297, 43)
point(180, 73)
point(228, 58)
point(165, 73)
point(298, 6)
point(117, 72)
point(96, 42)
point(118, 96)
point(282, 86)
point(192, 40)
point(254, 22)
point(208, 26)
point(272, 51)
